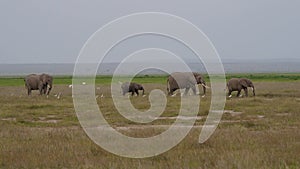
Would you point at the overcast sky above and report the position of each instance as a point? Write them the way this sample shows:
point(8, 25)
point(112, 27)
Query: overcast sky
point(54, 31)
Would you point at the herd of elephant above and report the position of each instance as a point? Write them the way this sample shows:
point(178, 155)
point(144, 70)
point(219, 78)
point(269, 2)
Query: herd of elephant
point(187, 81)
point(175, 81)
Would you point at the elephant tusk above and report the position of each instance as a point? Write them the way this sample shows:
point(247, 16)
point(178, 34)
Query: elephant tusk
point(48, 89)
point(120, 82)
point(205, 86)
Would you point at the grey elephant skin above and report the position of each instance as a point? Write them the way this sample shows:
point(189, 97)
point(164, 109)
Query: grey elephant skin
point(42, 82)
point(132, 88)
point(185, 80)
point(239, 84)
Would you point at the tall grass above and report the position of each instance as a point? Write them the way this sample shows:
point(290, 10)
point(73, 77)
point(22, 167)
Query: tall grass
point(258, 132)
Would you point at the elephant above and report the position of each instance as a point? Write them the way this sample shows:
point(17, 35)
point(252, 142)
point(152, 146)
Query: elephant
point(239, 84)
point(132, 87)
point(187, 80)
point(42, 82)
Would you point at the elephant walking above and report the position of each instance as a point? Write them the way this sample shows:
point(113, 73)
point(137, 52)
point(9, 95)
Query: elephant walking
point(132, 88)
point(42, 82)
point(239, 84)
point(185, 80)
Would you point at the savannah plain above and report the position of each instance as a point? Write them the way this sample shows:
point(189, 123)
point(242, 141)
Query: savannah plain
point(255, 132)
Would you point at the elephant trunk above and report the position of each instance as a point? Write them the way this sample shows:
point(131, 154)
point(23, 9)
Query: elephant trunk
point(253, 90)
point(48, 89)
point(143, 91)
point(204, 85)
point(168, 87)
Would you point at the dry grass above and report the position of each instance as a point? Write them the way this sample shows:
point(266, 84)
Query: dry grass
point(260, 132)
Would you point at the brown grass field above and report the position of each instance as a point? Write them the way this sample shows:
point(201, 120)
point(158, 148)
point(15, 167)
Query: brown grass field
point(255, 132)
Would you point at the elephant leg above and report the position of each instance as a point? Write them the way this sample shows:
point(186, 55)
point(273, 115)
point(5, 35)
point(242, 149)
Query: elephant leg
point(44, 90)
point(246, 92)
point(229, 93)
point(172, 92)
point(186, 90)
point(238, 94)
point(29, 91)
point(132, 93)
point(41, 91)
point(41, 88)
point(194, 90)
point(137, 91)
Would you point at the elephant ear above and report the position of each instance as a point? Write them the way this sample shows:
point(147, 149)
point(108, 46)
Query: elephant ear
point(45, 79)
point(41, 78)
point(199, 79)
point(244, 83)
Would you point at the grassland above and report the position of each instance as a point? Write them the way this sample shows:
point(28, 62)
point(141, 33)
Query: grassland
point(255, 132)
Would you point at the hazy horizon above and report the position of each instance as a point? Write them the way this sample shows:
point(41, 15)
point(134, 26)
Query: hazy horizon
point(108, 68)
point(287, 59)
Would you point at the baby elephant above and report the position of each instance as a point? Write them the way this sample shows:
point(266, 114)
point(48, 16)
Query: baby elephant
point(238, 84)
point(132, 87)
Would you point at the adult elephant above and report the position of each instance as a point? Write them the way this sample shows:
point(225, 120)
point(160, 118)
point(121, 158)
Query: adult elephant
point(239, 84)
point(42, 82)
point(132, 88)
point(185, 80)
